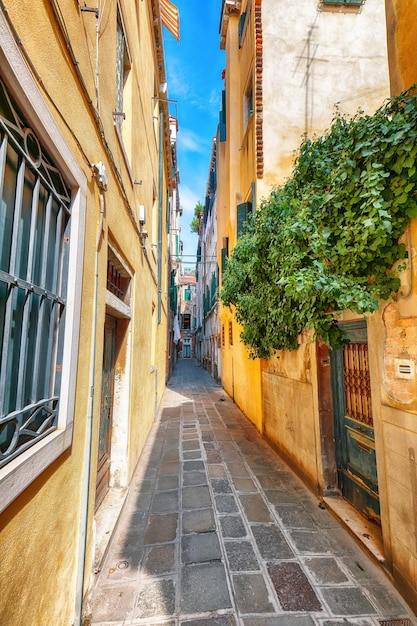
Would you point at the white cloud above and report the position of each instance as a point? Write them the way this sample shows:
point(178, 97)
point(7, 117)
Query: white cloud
point(179, 87)
point(189, 140)
point(189, 198)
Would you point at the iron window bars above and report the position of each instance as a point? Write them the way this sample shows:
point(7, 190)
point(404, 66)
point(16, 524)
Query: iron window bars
point(34, 248)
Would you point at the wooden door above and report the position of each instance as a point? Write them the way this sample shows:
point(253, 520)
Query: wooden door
point(106, 411)
point(354, 428)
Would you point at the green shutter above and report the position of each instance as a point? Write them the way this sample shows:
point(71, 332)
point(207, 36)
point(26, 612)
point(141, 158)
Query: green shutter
point(354, 3)
point(224, 260)
point(243, 212)
point(241, 27)
point(222, 118)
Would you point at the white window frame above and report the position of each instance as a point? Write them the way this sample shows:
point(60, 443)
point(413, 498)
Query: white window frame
point(248, 103)
point(121, 89)
point(19, 473)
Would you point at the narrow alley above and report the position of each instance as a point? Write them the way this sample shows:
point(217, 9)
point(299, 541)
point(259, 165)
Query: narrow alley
point(217, 530)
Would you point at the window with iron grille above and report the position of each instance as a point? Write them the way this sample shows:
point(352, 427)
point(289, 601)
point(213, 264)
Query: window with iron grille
point(42, 230)
point(186, 321)
point(117, 282)
point(230, 333)
point(34, 248)
point(123, 65)
point(354, 3)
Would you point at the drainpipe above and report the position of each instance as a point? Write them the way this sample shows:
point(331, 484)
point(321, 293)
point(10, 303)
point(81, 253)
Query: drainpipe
point(154, 370)
point(101, 177)
point(160, 190)
point(253, 190)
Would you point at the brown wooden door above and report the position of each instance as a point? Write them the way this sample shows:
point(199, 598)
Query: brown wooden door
point(107, 393)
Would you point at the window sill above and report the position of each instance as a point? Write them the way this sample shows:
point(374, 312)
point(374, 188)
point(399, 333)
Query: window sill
point(17, 475)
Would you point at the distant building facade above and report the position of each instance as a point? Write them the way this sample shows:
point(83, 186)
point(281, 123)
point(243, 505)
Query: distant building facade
point(174, 255)
point(208, 325)
point(188, 314)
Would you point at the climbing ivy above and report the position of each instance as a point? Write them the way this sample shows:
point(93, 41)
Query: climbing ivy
point(327, 240)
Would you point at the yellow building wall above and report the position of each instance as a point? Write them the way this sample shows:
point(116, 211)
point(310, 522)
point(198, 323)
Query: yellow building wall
point(393, 330)
point(401, 32)
point(241, 376)
point(290, 408)
point(39, 531)
point(393, 335)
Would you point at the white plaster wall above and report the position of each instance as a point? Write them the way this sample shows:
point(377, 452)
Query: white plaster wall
point(313, 58)
point(119, 470)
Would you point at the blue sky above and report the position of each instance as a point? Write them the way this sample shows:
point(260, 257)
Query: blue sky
point(194, 66)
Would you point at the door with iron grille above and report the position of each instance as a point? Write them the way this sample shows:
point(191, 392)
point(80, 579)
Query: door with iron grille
point(107, 393)
point(354, 428)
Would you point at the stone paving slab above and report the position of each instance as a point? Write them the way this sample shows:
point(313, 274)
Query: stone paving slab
point(216, 530)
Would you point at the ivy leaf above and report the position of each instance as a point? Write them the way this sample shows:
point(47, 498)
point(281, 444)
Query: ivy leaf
point(328, 238)
point(411, 212)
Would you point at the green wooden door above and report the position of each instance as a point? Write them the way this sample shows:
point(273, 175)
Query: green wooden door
point(354, 428)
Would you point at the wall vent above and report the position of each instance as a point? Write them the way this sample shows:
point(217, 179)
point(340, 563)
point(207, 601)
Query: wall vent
point(404, 368)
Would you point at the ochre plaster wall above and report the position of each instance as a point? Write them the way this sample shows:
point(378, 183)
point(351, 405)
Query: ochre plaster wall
point(401, 37)
point(241, 377)
point(393, 335)
point(290, 409)
point(39, 531)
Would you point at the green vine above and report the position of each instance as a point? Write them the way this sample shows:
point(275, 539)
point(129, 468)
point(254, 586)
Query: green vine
point(327, 240)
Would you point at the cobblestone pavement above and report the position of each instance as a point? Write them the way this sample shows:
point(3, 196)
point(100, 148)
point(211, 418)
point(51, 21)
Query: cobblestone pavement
point(217, 531)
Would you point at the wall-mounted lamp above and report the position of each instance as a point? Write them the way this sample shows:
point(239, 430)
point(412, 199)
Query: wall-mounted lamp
point(163, 87)
point(142, 215)
point(100, 174)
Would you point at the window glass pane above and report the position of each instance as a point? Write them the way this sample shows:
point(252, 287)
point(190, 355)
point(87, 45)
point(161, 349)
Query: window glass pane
point(33, 306)
point(7, 207)
point(38, 236)
point(3, 295)
point(54, 247)
point(24, 226)
point(12, 362)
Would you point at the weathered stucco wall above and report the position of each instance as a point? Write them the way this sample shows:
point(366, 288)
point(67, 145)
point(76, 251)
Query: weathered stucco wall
point(290, 410)
point(393, 337)
point(316, 58)
point(313, 58)
point(241, 377)
point(39, 531)
point(393, 333)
